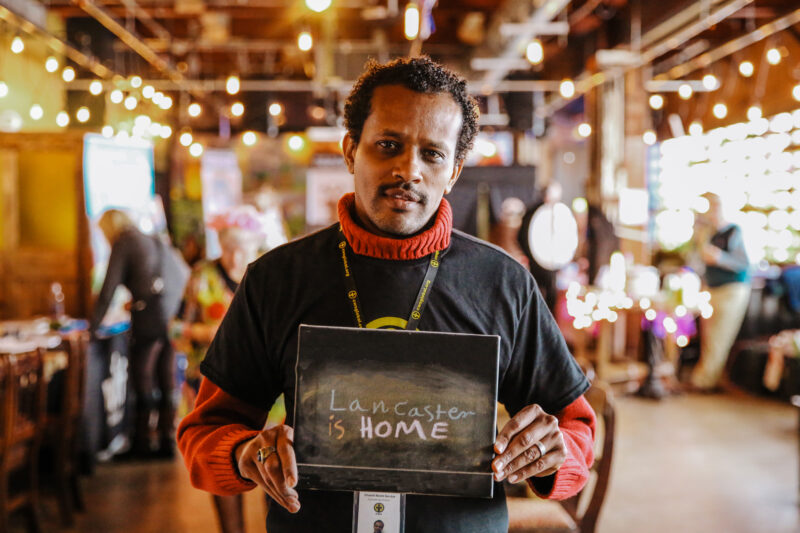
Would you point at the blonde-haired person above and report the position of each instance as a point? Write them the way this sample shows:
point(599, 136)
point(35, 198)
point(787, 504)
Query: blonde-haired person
point(135, 262)
point(727, 280)
point(208, 294)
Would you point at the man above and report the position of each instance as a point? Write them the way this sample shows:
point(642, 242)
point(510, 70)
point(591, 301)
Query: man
point(136, 262)
point(377, 527)
point(410, 124)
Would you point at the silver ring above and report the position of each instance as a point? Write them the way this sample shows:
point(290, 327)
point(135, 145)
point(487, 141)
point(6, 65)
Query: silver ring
point(541, 448)
point(263, 453)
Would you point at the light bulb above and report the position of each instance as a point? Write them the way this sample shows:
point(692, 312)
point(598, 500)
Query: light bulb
point(567, 88)
point(107, 131)
point(232, 84)
point(685, 91)
point(148, 91)
point(773, 56)
point(305, 41)
point(17, 46)
point(237, 109)
point(131, 103)
point(68, 74)
point(83, 114)
point(695, 128)
point(195, 109)
point(649, 137)
point(186, 138)
point(720, 111)
point(36, 112)
point(746, 69)
point(710, 82)
point(136, 82)
point(584, 130)
point(275, 109)
point(754, 113)
point(116, 96)
point(62, 119)
point(196, 149)
point(534, 52)
point(656, 101)
point(166, 132)
point(411, 21)
point(318, 5)
point(51, 65)
point(3, 89)
point(296, 143)
point(96, 87)
point(796, 92)
point(249, 138)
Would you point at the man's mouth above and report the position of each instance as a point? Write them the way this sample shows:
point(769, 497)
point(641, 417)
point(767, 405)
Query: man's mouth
point(401, 198)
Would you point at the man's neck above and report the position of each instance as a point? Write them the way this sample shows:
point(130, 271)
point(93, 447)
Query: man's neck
point(435, 236)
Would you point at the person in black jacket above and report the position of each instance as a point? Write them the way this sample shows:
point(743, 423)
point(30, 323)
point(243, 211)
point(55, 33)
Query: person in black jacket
point(136, 262)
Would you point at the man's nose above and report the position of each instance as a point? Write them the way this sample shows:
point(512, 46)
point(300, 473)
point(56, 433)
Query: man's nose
point(408, 166)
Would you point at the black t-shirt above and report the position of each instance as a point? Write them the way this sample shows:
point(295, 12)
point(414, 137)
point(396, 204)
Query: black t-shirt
point(479, 289)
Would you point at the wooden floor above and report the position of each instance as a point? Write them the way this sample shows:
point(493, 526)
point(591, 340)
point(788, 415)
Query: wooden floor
point(693, 464)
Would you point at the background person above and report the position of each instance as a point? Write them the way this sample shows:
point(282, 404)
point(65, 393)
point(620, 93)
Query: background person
point(208, 294)
point(136, 262)
point(727, 279)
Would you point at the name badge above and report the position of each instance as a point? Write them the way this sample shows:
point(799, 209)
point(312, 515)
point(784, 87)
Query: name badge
point(379, 512)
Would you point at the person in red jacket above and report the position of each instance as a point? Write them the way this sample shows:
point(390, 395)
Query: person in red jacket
point(410, 124)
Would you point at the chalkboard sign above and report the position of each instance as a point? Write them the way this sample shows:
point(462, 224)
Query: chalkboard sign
point(395, 411)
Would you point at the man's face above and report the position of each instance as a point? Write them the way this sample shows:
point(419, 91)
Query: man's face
point(405, 160)
point(378, 526)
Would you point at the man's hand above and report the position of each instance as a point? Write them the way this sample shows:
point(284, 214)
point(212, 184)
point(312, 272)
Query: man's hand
point(711, 254)
point(518, 454)
point(277, 474)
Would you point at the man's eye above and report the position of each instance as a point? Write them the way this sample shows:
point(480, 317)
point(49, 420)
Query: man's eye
point(387, 145)
point(434, 155)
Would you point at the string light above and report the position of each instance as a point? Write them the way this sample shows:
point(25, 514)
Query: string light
point(195, 109)
point(685, 91)
point(136, 82)
point(411, 21)
point(36, 112)
point(249, 138)
point(237, 109)
point(534, 52)
point(567, 88)
point(107, 131)
point(746, 69)
point(83, 114)
point(158, 98)
point(754, 113)
point(165, 103)
point(305, 41)
point(62, 119)
point(196, 149)
point(186, 138)
point(584, 129)
point(68, 74)
point(649, 137)
point(318, 5)
point(131, 103)
point(232, 84)
point(773, 56)
point(51, 64)
point(695, 128)
point(3, 89)
point(796, 92)
point(720, 111)
point(656, 101)
point(275, 109)
point(710, 82)
point(166, 132)
point(17, 46)
point(96, 87)
point(296, 143)
point(116, 96)
point(148, 91)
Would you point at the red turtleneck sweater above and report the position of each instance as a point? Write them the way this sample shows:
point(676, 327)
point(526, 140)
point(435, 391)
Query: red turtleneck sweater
point(219, 422)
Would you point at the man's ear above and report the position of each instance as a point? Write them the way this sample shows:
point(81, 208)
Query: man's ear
point(349, 149)
point(454, 178)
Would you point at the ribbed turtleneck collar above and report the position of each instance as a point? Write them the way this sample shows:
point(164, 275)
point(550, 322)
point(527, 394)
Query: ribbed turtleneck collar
point(437, 237)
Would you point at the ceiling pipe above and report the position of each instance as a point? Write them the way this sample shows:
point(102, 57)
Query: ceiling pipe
point(676, 32)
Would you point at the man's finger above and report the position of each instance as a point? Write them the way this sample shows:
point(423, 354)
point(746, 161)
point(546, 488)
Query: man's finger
point(285, 447)
point(275, 485)
point(528, 456)
point(547, 464)
point(519, 422)
point(522, 445)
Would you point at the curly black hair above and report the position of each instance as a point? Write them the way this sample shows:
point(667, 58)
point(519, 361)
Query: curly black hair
point(419, 74)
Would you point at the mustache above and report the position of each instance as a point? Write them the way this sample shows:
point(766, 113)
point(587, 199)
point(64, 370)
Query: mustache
point(408, 190)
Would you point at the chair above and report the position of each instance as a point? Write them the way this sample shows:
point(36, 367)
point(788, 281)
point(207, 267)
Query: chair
point(578, 514)
point(24, 392)
point(61, 437)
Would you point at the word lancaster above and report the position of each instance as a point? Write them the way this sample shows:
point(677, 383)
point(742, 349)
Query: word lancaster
point(392, 428)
